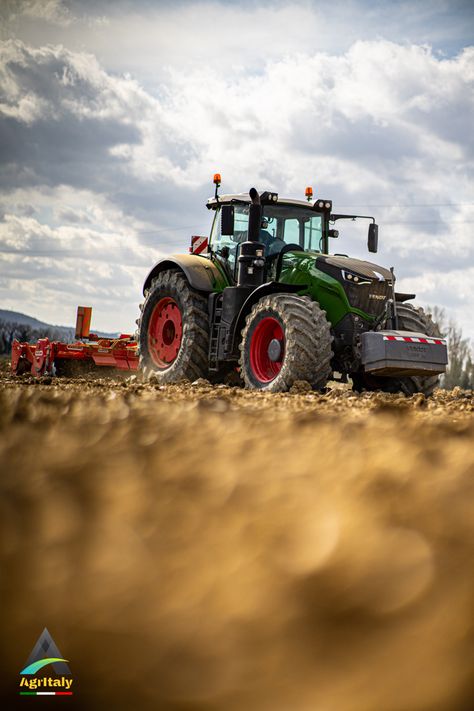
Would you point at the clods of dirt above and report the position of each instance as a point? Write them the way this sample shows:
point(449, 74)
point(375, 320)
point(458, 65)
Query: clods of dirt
point(204, 547)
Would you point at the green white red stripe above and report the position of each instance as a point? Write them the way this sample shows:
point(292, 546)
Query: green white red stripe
point(45, 693)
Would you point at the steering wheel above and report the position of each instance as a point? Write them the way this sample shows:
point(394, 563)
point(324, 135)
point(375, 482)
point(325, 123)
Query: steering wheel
point(292, 247)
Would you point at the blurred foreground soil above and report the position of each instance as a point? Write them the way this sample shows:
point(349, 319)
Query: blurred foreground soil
point(203, 548)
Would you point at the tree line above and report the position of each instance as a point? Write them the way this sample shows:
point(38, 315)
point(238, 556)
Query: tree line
point(9, 330)
point(460, 370)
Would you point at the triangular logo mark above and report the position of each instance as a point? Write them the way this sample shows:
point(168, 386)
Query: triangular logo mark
point(46, 652)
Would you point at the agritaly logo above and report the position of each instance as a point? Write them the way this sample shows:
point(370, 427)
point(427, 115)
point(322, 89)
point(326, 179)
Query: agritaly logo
point(45, 653)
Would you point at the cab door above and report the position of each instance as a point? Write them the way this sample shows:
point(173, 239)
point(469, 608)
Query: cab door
point(227, 247)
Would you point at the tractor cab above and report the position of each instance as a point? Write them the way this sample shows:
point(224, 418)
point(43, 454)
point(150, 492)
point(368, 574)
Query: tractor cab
point(283, 226)
point(286, 225)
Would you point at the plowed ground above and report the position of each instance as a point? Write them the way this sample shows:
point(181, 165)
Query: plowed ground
point(204, 548)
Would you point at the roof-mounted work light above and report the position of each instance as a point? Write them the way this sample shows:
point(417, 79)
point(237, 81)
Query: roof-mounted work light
point(323, 206)
point(268, 198)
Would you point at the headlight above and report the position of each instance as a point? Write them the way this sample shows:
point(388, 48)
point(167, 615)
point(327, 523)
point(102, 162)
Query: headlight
point(355, 278)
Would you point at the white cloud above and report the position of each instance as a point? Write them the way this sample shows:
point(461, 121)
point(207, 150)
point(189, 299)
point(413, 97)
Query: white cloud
point(147, 37)
point(59, 82)
point(54, 12)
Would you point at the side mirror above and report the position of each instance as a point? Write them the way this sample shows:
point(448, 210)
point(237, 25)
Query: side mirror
point(227, 220)
point(373, 237)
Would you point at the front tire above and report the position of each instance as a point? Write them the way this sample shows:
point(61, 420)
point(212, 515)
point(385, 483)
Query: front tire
point(173, 330)
point(286, 338)
point(410, 318)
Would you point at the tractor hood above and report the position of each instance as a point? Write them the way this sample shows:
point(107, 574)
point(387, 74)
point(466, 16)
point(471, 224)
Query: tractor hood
point(367, 286)
point(328, 263)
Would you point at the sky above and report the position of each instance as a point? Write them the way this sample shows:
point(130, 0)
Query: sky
point(114, 116)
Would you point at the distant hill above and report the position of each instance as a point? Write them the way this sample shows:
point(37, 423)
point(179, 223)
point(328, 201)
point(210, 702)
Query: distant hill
point(17, 317)
point(14, 324)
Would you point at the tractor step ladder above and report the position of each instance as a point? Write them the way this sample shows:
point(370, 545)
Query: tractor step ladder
point(216, 316)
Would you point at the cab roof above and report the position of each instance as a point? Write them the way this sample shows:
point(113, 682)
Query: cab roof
point(212, 203)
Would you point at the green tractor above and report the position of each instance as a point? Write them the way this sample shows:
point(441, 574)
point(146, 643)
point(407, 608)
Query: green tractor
point(265, 298)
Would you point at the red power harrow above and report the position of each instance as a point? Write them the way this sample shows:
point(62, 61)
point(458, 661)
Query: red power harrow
point(54, 357)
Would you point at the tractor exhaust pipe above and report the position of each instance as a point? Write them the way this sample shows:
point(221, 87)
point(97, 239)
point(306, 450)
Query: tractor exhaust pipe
point(255, 216)
point(252, 253)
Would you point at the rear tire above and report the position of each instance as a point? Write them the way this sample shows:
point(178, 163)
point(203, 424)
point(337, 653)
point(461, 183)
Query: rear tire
point(286, 338)
point(410, 318)
point(173, 330)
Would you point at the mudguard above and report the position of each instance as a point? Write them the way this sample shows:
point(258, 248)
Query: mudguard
point(201, 273)
point(401, 297)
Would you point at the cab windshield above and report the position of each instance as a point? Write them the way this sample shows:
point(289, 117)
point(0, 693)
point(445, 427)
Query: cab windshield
point(281, 225)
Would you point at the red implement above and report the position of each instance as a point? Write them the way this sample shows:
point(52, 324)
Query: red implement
point(50, 357)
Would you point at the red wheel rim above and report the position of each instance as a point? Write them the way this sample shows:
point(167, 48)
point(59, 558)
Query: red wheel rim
point(165, 332)
point(264, 368)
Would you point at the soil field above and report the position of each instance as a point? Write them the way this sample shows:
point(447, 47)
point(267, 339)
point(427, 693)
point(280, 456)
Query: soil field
point(204, 548)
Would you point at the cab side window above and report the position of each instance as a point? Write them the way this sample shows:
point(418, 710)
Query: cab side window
point(305, 231)
point(313, 234)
